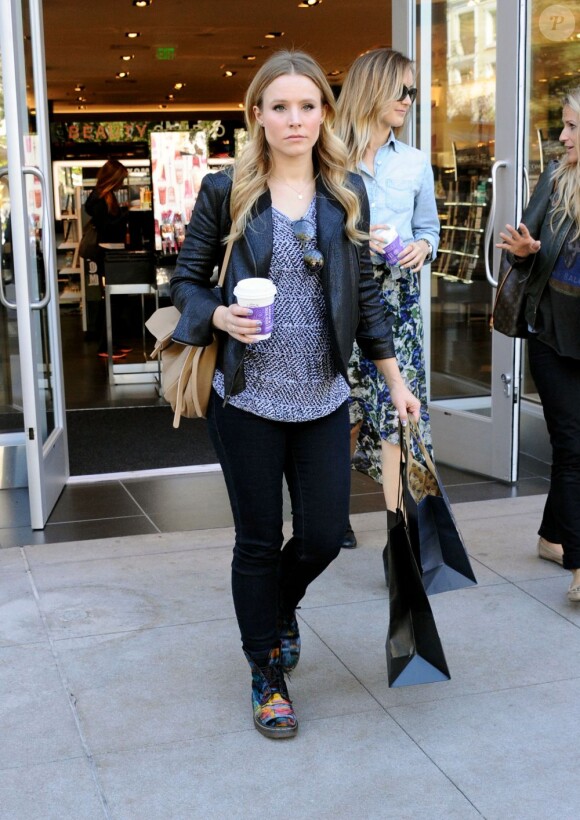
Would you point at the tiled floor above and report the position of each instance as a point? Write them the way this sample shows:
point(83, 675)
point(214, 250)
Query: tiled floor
point(197, 501)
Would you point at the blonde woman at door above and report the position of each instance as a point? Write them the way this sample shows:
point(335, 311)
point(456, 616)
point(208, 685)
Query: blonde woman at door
point(547, 243)
point(375, 100)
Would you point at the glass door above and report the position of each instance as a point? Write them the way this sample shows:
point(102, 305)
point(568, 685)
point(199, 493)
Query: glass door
point(474, 105)
point(32, 399)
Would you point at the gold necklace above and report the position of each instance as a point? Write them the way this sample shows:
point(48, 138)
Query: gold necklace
point(299, 194)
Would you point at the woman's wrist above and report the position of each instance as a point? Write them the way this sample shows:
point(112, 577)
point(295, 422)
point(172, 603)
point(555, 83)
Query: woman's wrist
point(218, 317)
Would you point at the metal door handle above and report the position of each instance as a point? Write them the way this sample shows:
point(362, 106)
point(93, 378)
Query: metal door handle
point(46, 237)
point(489, 228)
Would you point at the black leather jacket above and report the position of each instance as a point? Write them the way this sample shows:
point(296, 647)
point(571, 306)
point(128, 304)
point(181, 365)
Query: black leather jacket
point(350, 291)
point(537, 219)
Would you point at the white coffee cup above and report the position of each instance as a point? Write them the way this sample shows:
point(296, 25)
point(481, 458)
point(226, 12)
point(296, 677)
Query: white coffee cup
point(393, 245)
point(258, 293)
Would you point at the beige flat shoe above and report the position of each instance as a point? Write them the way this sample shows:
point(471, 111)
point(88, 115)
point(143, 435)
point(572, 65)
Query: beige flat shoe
point(550, 552)
point(574, 594)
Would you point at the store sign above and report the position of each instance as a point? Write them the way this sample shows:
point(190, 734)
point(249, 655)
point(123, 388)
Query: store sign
point(120, 131)
point(165, 53)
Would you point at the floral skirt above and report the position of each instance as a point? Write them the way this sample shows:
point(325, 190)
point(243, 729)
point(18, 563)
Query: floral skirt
point(370, 400)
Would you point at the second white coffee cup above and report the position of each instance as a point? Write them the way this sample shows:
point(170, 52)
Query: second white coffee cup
point(258, 293)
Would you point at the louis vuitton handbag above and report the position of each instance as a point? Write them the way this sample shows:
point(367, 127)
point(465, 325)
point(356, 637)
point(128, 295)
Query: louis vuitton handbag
point(507, 316)
point(186, 370)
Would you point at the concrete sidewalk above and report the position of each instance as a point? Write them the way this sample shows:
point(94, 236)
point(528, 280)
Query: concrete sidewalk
point(124, 693)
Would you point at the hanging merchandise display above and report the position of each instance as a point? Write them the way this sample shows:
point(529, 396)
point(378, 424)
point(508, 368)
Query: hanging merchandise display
point(178, 164)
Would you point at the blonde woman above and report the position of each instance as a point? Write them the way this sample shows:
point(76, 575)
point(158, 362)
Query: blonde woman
point(376, 97)
point(547, 243)
point(279, 406)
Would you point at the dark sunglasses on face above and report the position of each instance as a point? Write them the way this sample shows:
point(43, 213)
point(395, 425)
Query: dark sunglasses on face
point(304, 232)
point(408, 92)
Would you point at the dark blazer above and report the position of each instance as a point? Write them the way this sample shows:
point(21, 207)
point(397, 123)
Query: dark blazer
point(350, 291)
point(537, 218)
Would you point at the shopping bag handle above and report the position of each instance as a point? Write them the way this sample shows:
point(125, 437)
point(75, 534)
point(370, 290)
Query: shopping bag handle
point(413, 428)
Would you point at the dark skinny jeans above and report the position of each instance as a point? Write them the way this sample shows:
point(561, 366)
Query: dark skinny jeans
point(557, 379)
point(256, 454)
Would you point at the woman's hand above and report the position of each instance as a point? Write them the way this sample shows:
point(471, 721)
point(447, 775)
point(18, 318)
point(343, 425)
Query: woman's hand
point(404, 402)
point(377, 243)
point(414, 255)
point(236, 320)
point(518, 242)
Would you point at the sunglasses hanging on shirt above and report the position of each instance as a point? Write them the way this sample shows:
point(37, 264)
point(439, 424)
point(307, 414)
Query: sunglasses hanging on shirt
point(304, 232)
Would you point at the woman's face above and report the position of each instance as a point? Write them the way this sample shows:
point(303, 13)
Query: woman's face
point(395, 112)
point(569, 135)
point(291, 115)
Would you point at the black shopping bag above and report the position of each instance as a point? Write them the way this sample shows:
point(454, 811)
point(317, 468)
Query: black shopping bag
point(414, 651)
point(435, 537)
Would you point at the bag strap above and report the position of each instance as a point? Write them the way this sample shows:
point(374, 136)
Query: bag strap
point(183, 381)
point(413, 427)
point(227, 255)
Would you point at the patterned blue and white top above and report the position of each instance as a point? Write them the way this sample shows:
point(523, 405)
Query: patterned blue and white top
point(291, 376)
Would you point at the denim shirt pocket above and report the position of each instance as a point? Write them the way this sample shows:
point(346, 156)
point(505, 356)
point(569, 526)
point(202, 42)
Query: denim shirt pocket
point(400, 195)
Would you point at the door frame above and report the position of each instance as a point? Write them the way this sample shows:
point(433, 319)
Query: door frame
point(46, 454)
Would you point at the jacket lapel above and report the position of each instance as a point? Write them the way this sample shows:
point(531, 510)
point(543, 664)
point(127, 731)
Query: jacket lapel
point(258, 234)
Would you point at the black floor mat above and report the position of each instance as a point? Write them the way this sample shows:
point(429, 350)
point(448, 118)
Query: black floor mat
point(123, 439)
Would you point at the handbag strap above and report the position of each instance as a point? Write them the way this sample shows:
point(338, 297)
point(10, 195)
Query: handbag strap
point(227, 255)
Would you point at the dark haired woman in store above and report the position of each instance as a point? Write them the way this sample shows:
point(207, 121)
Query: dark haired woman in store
point(110, 220)
point(374, 102)
point(547, 243)
point(279, 406)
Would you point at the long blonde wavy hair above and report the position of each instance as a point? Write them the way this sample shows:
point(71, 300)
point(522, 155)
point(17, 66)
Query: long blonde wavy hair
point(374, 80)
point(254, 165)
point(566, 202)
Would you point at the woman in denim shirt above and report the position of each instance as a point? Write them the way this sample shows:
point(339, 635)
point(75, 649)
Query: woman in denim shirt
point(375, 99)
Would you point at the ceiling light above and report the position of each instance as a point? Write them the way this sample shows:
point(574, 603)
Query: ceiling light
point(161, 106)
point(121, 75)
point(249, 57)
point(81, 107)
point(334, 73)
point(271, 35)
point(79, 87)
point(127, 57)
point(141, 4)
point(81, 99)
point(306, 4)
point(132, 34)
point(178, 86)
point(229, 73)
point(240, 105)
point(170, 97)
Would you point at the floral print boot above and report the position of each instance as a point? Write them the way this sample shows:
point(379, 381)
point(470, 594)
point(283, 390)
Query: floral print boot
point(273, 713)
